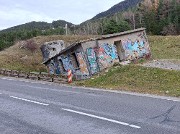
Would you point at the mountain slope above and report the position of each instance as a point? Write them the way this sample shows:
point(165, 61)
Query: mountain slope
point(38, 25)
point(28, 26)
point(124, 5)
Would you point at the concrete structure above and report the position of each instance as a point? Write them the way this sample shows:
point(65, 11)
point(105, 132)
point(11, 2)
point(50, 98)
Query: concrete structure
point(89, 57)
point(50, 49)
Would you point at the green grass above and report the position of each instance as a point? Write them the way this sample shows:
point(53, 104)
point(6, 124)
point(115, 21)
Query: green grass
point(137, 79)
point(165, 47)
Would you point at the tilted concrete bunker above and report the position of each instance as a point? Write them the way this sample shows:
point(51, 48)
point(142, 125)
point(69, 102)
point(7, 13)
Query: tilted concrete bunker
point(89, 57)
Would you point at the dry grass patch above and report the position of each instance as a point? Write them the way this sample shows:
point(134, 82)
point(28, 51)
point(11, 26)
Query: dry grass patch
point(17, 57)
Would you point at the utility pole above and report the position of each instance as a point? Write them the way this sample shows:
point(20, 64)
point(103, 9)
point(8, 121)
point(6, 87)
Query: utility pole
point(66, 28)
point(134, 23)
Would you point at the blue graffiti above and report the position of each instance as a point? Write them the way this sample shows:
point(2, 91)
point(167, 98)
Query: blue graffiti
point(51, 67)
point(111, 51)
point(67, 64)
point(134, 49)
point(57, 68)
point(92, 60)
point(54, 67)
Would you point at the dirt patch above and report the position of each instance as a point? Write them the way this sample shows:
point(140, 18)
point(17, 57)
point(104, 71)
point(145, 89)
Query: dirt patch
point(164, 64)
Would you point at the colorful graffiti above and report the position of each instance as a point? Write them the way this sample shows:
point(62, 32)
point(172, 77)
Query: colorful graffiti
point(110, 50)
point(82, 63)
point(101, 57)
point(136, 49)
point(107, 54)
point(91, 55)
point(67, 64)
point(53, 67)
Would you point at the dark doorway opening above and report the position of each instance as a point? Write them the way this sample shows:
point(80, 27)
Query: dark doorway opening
point(74, 61)
point(120, 50)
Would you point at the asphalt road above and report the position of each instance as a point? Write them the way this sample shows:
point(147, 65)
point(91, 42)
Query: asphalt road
point(29, 107)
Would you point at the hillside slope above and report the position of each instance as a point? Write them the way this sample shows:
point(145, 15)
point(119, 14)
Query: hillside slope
point(17, 57)
point(124, 5)
point(37, 25)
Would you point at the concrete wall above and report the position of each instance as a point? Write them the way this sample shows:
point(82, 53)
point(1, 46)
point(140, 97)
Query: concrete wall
point(88, 58)
point(89, 49)
point(50, 49)
point(73, 59)
point(131, 46)
point(104, 53)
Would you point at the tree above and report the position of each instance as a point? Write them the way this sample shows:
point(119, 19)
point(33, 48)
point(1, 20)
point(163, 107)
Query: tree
point(112, 26)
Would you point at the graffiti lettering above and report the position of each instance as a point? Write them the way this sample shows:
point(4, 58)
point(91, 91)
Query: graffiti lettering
point(92, 60)
point(107, 54)
point(82, 63)
point(136, 49)
point(67, 64)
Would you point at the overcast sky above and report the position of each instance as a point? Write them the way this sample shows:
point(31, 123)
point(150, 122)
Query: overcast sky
point(15, 12)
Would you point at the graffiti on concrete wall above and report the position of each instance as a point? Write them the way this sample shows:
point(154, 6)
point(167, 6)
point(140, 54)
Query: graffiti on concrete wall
point(67, 64)
point(91, 55)
point(110, 50)
point(57, 68)
point(82, 63)
point(53, 67)
point(135, 49)
point(107, 54)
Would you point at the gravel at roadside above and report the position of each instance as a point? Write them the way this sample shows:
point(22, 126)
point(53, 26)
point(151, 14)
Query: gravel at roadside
point(164, 64)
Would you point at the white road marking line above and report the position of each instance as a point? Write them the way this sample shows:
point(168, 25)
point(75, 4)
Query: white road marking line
point(173, 100)
point(102, 118)
point(0, 93)
point(29, 101)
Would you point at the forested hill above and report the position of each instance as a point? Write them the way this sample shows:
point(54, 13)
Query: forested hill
point(124, 5)
point(37, 26)
point(30, 30)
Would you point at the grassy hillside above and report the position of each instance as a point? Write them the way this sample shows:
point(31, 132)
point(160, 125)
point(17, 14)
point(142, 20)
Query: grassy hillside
point(137, 79)
point(163, 47)
point(19, 58)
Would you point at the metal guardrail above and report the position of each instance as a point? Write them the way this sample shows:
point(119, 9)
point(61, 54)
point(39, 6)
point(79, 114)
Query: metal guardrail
point(33, 75)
